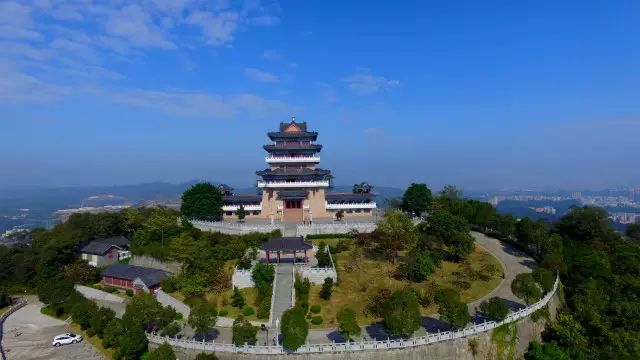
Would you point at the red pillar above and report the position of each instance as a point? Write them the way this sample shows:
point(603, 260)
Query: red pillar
point(306, 259)
point(268, 261)
point(294, 256)
point(278, 257)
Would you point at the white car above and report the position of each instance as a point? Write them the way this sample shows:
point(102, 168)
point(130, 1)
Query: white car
point(65, 339)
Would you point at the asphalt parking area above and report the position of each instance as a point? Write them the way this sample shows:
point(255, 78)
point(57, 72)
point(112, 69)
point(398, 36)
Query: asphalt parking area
point(27, 334)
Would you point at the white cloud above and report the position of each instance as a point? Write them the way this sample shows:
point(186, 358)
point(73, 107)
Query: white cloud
point(199, 104)
point(271, 55)
point(137, 26)
point(16, 22)
point(363, 82)
point(260, 75)
point(217, 28)
point(18, 87)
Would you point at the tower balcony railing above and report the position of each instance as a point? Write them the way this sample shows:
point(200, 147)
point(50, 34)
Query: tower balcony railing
point(369, 205)
point(293, 184)
point(246, 207)
point(292, 159)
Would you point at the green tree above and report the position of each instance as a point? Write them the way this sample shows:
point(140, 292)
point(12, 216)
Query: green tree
point(202, 317)
point(112, 332)
point(243, 332)
point(327, 289)
point(452, 230)
point(100, 319)
point(451, 192)
point(322, 255)
point(349, 327)
point(416, 199)
point(401, 313)
point(399, 233)
point(163, 352)
point(545, 278)
point(132, 343)
point(418, 267)
point(494, 309)
point(339, 215)
point(160, 221)
point(633, 231)
point(241, 213)
point(451, 309)
point(202, 201)
point(525, 287)
point(263, 274)
point(294, 328)
point(172, 329)
point(237, 300)
point(546, 351)
point(83, 311)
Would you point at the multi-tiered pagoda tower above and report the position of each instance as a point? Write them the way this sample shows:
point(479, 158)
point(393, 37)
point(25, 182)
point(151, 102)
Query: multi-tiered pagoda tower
point(293, 187)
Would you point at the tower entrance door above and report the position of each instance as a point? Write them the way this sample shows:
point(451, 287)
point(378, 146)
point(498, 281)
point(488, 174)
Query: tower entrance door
point(292, 210)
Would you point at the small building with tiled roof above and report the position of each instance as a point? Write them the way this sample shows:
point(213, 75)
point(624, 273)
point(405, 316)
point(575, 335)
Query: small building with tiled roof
point(137, 278)
point(107, 251)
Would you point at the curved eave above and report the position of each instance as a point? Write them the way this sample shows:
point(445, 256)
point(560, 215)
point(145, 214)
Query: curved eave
point(276, 135)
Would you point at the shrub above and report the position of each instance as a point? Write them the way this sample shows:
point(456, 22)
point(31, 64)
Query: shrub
point(545, 278)
point(327, 289)
point(163, 352)
point(294, 328)
point(243, 332)
point(110, 289)
point(322, 255)
point(237, 300)
point(244, 263)
point(247, 311)
point(315, 309)
point(168, 285)
point(205, 356)
point(91, 332)
point(525, 287)
point(348, 323)
point(328, 236)
point(316, 320)
point(129, 292)
point(264, 309)
point(376, 304)
point(494, 309)
point(452, 310)
point(172, 329)
point(401, 313)
point(223, 312)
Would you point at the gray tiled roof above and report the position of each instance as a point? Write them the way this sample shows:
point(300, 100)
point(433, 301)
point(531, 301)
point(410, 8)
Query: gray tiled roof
point(293, 171)
point(301, 125)
point(293, 147)
point(295, 243)
point(150, 277)
point(100, 247)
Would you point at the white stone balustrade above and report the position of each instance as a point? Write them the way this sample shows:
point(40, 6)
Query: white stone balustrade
point(292, 159)
point(292, 184)
point(246, 207)
point(350, 206)
point(357, 345)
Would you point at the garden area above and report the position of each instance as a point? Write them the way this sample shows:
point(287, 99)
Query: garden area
point(361, 279)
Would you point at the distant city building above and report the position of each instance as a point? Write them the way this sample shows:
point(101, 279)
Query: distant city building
point(544, 210)
point(625, 217)
point(293, 188)
point(576, 194)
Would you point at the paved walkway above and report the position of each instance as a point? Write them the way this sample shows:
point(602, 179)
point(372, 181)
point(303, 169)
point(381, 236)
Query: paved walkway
point(282, 293)
point(27, 334)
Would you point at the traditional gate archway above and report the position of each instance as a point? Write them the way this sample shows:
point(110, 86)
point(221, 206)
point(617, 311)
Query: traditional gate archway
point(286, 245)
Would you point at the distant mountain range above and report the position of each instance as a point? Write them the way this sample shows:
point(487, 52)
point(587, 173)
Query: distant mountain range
point(43, 202)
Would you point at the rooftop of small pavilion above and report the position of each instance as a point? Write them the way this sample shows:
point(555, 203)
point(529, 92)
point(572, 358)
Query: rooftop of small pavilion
point(286, 244)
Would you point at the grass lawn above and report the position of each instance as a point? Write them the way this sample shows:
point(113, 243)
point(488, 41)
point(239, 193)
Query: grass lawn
point(358, 284)
point(223, 301)
point(4, 309)
point(94, 340)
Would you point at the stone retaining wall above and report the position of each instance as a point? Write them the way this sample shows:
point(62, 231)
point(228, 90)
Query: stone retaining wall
point(174, 267)
point(98, 295)
point(335, 228)
point(234, 228)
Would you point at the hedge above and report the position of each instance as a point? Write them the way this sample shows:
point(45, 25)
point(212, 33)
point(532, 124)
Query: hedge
point(328, 236)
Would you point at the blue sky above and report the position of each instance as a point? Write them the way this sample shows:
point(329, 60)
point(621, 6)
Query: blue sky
point(506, 94)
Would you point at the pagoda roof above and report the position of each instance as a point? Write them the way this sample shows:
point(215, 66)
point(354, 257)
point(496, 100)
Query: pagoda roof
point(347, 196)
point(295, 243)
point(293, 147)
point(312, 135)
point(292, 194)
point(241, 198)
point(293, 126)
point(293, 171)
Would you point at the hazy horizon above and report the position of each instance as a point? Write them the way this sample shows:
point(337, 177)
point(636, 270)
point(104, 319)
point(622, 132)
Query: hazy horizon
point(485, 96)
